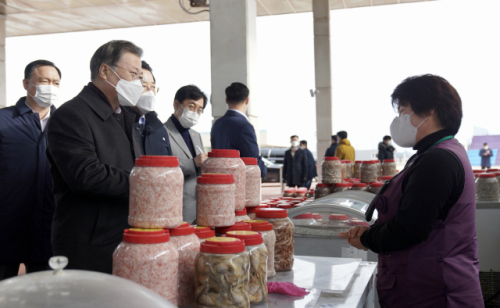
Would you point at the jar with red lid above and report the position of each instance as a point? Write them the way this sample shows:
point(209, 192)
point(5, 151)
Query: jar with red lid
point(254, 246)
point(289, 192)
point(203, 233)
point(273, 204)
point(251, 211)
point(306, 219)
point(389, 167)
point(156, 185)
point(301, 192)
point(386, 178)
point(487, 187)
point(188, 246)
point(358, 222)
point(227, 257)
point(283, 227)
point(359, 187)
point(228, 162)
point(266, 229)
point(331, 170)
point(375, 187)
point(322, 190)
point(379, 168)
point(241, 215)
point(285, 206)
point(343, 167)
point(497, 174)
point(147, 257)
point(348, 165)
point(310, 193)
point(338, 220)
point(318, 217)
point(215, 199)
point(238, 226)
point(340, 187)
point(369, 171)
point(252, 186)
point(356, 169)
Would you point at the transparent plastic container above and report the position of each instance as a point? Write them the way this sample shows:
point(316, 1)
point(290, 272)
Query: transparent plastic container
point(301, 192)
point(358, 222)
point(156, 186)
point(239, 226)
point(227, 257)
point(331, 170)
point(338, 220)
point(356, 170)
point(375, 187)
point(339, 187)
point(252, 187)
point(304, 220)
point(266, 229)
point(203, 233)
point(389, 167)
point(322, 190)
point(369, 171)
point(251, 211)
point(487, 187)
point(228, 162)
point(289, 192)
point(254, 245)
point(343, 167)
point(241, 215)
point(359, 187)
point(215, 198)
point(348, 165)
point(310, 193)
point(147, 257)
point(379, 168)
point(318, 217)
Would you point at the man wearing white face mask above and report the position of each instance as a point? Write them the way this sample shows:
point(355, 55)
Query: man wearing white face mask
point(295, 169)
point(92, 149)
point(26, 200)
point(385, 149)
point(151, 135)
point(189, 103)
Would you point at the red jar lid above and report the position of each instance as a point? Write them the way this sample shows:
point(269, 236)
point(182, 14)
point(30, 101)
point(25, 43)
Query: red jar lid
point(478, 171)
point(273, 204)
point(377, 161)
point(358, 222)
point(285, 206)
point(272, 213)
point(386, 177)
point(251, 210)
point(249, 160)
point(486, 175)
point(287, 198)
point(242, 212)
point(388, 160)
point(358, 161)
point(302, 190)
point(145, 236)
point(251, 238)
point(476, 175)
point(239, 226)
point(204, 232)
point(222, 245)
point(493, 170)
point(215, 178)
point(317, 216)
point(338, 217)
point(377, 184)
point(256, 222)
point(358, 185)
point(157, 161)
point(290, 190)
point(342, 185)
point(262, 227)
point(224, 153)
point(323, 185)
point(300, 199)
point(328, 158)
point(368, 162)
point(182, 230)
point(304, 216)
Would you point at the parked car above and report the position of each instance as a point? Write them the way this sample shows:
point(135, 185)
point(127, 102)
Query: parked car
point(273, 171)
point(274, 154)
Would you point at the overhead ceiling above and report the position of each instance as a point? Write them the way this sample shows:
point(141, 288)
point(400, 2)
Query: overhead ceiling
point(29, 17)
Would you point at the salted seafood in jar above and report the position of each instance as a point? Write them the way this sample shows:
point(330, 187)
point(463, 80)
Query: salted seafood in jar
point(215, 199)
point(252, 187)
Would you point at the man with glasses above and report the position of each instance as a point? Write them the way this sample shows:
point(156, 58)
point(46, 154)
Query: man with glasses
point(189, 104)
point(151, 135)
point(91, 150)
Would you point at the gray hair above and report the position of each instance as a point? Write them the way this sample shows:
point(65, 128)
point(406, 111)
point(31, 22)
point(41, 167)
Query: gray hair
point(110, 53)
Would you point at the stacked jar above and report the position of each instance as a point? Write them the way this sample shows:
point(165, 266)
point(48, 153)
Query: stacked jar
point(283, 227)
point(310, 193)
point(229, 289)
point(266, 229)
point(369, 171)
point(359, 187)
point(156, 184)
point(356, 172)
point(317, 217)
point(251, 211)
point(147, 257)
point(331, 170)
point(348, 165)
point(254, 246)
point(340, 187)
point(252, 186)
point(379, 168)
point(322, 190)
point(306, 219)
point(338, 220)
point(239, 226)
point(241, 215)
point(289, 192)
point(228, 162)
point(203, 233)
point(389, 167)
point(301, 192)
point(375, 187)
point(487, 187)
point(215, 200)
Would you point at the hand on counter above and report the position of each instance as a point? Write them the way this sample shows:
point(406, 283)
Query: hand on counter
point(353, 236)
point(198, 160)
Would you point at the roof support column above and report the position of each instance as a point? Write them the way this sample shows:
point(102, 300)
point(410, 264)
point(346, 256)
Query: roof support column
point(233, 52)
point(323, 77)
point(3, 78)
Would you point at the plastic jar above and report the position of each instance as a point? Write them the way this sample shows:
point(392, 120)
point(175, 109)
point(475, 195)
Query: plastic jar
point(188, 246)
point(241, 215)
point(228, 162)
point(203, 233)
point(343, 168)
point(375, 187)
point(156, 185)
point(310, 193)
point(386, 178)
point(379, 168)
point(285, 206)
point(487, 187)
point(227, 257)
point(239, 226)
point(339, 187)
point(252, 187)
point(358, 222)
point(497, 174)
point(338, 220)
point(301, 192)
point(289, 192)
point(254, 246)
point(266, 229)
point(283, 227)
point(356, 170)
point(348, 165)
point(331, 170)
point(389, 167)
point(304, 220)
point(317, 217)
point(369, 171)
point(215, 199)
point(322, 190)
point(359, 187)
point(251, 211)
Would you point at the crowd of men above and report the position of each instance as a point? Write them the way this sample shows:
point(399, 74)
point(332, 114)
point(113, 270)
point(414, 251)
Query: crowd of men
point(64, 174)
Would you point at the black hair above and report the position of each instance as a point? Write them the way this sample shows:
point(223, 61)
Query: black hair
point(190, 92)
point(237, 93)
point(387, 138)
point(294, 136)
point(146, 66)
point(425, 93)
point(342, 134)
point(334, 137)
point(303, 142)
point(30, 68)
point(485, 143)
point(110, 53)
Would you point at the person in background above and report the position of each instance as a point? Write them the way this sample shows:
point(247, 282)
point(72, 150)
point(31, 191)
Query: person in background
point(385, 149)
point(344, 151)
point(151, 135)
point(92, 151)
point(26, 200)
point(189, 103)
point(485, 154)
point(233, 131)
point(311, 164)
point(330, 152)
point(295, 171)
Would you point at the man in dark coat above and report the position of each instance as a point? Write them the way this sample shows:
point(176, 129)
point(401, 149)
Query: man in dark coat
point(295, 170)
point(485, 154)
point(91, 151)
point(311, 164)
point(233, 131)
point(385, 149)
point(330, 152)
point(26, 200)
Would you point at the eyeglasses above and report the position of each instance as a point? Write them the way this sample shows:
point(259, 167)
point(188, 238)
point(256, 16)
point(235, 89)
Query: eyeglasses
point(135, 74)
point(192, 107)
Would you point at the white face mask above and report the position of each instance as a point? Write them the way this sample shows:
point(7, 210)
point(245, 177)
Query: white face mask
point(295, 144)
point(46, 95)
point(188, 118)
point(128, 91)
point(146, 102)
point(485, 147)
point(403, 133)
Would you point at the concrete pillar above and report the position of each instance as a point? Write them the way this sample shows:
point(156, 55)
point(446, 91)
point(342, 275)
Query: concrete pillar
point(233, 53)
point(323, 77)
point(3, 79)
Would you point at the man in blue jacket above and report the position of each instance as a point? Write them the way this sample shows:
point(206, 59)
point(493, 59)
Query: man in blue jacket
point(26, 200)
point(330, 152)
point(311, 164)
point(233, 131)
